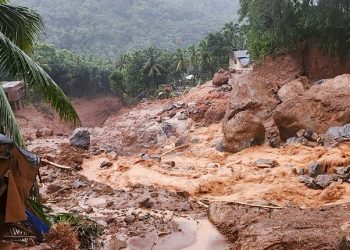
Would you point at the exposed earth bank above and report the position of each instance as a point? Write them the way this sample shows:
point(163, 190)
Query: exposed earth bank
point(253, 154)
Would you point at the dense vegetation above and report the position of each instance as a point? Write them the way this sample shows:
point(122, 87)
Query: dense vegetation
point(139, 71)
point(277, 26)
point(112, 27)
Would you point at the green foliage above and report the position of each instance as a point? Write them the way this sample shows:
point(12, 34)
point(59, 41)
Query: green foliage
point(109, 28)
point(77, 75)
point(276, 26)
point(18, 29)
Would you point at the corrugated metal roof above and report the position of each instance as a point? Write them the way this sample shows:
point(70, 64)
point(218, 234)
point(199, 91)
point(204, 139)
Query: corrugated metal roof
point(10, 84)
point(244, 61)
point(241, 54)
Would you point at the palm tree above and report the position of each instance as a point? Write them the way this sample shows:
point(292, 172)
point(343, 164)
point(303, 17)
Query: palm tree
point(180, 61)
point(152, 67)
point(231, 33)
point(19, 27)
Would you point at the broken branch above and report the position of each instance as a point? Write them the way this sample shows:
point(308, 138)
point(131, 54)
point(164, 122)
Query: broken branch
point(174, 149)
point(55, 164)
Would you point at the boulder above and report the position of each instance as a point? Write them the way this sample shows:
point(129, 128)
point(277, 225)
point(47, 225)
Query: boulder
point(292, 89)
point(339, 133)
point(318, 108)
point(243, 130)
point(221, 78)
point(290, 117)
point(80, 138)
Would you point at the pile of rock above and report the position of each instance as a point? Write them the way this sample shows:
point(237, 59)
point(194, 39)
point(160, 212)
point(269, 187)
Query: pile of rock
point(317, 177)
point(306, 137)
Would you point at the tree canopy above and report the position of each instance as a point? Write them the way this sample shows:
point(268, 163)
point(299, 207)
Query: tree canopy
point(276, 26)
point(113, 27)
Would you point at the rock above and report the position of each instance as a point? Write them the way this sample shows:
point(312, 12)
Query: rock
point(292, 89)
point(172, 113)
point(106, 164)
point(168, 129)
point(112, 156)
point(266, 163)
point(339, 133)
point(116, 244)
point(221, 77)
point(39, 134)
point(290, 117)
point(324, 180)
point(147, 203)
point(344, 172)
point(319, 108)
point(182, 116)
point(213, 165)
point(181, 141)
point(307, 180)
point(219, 146)
point(183, 194)
point(129, 219)
point(88, 210)
point(80, 138)
point(241, 131)
point(295, 140)
point(78, 184)
point(168, 107)
point(316, 169)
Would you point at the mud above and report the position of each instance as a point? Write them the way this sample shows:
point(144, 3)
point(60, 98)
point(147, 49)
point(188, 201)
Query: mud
point(157, 196)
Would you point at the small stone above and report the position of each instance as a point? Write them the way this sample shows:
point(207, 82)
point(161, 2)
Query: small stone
point(344, 172)
point(307, 180)
point(172, 114)
point(316, 169)
point(110, 220)
point(79, 184)
point(129, 219)
point(39, 134)
point(181, 141)
point(301, 172)
point(182, 117)
point(266, 163)
point(109, 204)
point(147, 203)
point(168, 107)
point(219, 146)
point(106, 164)
point(183, 194)
point(89, 210)
point(213, 165)
point(323, 181)
point(143, 216)
point(309, 134)
point(301, 133)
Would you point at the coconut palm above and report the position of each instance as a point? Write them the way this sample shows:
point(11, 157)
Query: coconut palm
point(180, 61)
point(153, 67)
point(19, 27)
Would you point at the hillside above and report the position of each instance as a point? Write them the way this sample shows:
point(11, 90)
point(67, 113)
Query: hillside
point(109, 27)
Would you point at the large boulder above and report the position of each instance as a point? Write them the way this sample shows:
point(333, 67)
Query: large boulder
point(221, 77)
point(290, 117)
point(242, 130)
point(292, 89)
point(80, 138)
point(322, 106)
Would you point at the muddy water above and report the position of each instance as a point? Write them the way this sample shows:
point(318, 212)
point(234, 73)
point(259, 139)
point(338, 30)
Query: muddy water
point(193, 235)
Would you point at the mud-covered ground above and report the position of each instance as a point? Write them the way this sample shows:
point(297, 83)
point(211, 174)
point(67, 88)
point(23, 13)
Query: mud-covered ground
point(168, 172)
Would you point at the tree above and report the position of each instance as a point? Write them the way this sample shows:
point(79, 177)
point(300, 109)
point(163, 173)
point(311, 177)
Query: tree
point(180, 62)
point(19, 26)
point(153, 67)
